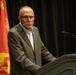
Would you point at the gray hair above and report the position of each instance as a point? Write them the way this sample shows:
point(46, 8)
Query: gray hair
point(24, 7)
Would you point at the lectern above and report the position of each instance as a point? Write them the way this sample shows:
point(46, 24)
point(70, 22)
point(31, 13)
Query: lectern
point(64, 65)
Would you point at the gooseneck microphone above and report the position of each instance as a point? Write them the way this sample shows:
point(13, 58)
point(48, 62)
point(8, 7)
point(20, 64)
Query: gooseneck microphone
point(69, 34)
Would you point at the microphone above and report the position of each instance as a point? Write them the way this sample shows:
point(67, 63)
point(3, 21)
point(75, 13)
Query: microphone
point(69, 34)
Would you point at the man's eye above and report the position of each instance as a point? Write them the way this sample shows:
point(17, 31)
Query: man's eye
point(27, 16)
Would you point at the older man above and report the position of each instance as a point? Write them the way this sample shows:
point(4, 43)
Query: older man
point(25, 45)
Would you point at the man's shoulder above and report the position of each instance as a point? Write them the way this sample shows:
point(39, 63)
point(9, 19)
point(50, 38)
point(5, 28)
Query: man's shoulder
point(35, 28)
point(14, 31)
point(14, 28)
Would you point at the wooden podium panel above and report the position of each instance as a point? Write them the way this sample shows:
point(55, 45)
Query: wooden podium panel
point(64, 65)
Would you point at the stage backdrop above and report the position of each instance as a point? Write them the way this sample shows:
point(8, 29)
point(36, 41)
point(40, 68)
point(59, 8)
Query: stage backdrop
point(52, 17)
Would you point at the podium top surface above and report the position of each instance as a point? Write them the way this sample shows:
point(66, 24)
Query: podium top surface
point(59, 61)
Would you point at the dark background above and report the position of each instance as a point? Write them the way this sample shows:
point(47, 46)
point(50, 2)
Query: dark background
point(51, 17)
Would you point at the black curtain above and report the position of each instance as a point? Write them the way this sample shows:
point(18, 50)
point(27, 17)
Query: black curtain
point(52, 17)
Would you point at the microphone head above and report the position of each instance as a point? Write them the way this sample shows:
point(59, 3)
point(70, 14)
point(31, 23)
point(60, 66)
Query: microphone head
point(64, 32)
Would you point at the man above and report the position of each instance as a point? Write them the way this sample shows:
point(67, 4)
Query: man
point(26, 55)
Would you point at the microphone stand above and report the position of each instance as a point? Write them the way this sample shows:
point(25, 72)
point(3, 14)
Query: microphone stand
point(69, 34)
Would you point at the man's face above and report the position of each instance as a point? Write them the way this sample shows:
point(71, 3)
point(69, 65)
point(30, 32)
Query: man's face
point(27, 18)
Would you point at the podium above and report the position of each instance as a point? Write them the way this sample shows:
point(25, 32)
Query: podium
point(64, 65)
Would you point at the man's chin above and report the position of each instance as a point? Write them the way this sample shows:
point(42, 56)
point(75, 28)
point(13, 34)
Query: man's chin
point(29, 28)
